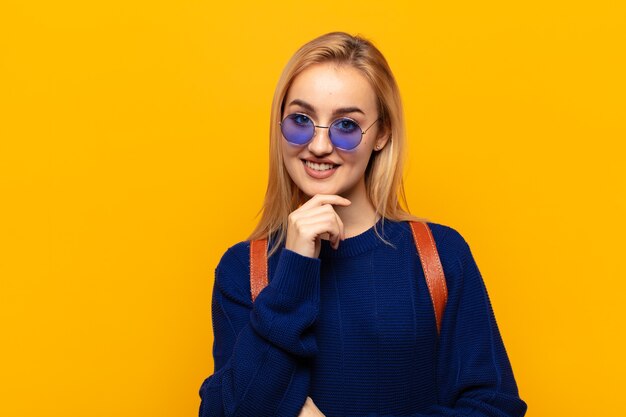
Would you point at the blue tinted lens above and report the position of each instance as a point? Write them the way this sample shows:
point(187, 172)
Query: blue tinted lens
point(345, 134)
point(297, 128)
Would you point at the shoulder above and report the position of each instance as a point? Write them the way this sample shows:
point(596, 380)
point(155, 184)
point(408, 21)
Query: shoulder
point(451, 245)
point(448, 238)
point(456, 257)
point(232, 274)
point(236, 256)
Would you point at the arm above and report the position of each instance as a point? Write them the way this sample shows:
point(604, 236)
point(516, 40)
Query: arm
point(474, 376)
point(261, 356)
point(261, 350)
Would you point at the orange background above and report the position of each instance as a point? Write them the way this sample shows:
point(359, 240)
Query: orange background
point(133, 152)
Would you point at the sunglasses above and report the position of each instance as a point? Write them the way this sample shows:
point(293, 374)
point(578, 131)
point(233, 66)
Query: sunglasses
point(344, 133)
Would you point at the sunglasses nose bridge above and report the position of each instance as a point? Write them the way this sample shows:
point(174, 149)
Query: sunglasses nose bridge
point(320, 143)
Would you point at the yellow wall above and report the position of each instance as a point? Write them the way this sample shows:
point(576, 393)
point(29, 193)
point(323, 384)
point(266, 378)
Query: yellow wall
point(133, 153)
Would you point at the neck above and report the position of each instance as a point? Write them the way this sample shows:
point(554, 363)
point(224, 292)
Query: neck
point(358, 216)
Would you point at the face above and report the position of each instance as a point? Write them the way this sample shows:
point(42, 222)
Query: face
point(325, 93)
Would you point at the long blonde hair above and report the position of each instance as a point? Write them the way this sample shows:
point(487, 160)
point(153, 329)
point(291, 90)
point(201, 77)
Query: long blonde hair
point(383, 175)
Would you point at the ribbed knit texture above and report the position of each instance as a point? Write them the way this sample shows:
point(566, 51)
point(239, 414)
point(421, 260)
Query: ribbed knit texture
point(355, 330)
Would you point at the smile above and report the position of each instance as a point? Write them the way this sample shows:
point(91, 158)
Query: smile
point(319, 167)
point(319, 171)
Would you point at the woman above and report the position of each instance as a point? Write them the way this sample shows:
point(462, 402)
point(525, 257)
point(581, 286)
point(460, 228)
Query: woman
point(346, 325)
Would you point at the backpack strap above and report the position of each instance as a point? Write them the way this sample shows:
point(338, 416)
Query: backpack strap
point(426, 249)
point(433, 270)
point(258, 266)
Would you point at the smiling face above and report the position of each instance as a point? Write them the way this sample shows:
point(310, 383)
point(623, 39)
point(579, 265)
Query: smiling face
point(325, 93)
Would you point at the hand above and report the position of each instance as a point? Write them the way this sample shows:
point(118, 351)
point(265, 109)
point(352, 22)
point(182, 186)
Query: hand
point(310, 409)
point(314, 220)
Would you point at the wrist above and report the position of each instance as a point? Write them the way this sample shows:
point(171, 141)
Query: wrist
point(297, 275)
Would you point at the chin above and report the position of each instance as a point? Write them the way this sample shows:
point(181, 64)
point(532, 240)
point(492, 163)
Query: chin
point(311, 192)
point(312, 189)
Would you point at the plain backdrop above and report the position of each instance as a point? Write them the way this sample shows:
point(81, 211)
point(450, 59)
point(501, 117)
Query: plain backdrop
point(134, 152)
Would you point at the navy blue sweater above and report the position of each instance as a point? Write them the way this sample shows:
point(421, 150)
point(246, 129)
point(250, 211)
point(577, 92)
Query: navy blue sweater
point(355, 330)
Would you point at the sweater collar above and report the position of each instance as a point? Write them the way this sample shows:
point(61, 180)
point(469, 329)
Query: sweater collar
point(363, 242)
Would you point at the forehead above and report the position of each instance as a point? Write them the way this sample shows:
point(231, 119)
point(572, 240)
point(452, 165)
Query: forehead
point(330, 86)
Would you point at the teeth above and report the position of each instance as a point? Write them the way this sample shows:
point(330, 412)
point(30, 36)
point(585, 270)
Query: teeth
point(318, 167)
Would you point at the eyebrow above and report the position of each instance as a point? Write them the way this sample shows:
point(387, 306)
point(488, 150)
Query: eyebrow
point(336, 112)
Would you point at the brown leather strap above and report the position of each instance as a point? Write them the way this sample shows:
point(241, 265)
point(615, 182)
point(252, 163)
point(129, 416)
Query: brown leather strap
point(433, 270)
point(258, 266)
point(426, 249)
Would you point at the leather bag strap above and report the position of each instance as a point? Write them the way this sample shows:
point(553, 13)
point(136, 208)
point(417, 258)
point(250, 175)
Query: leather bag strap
point(426, 249)
point(433, 270)
point(258, 266)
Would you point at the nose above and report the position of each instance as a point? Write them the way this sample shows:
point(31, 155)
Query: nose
point(320, 144)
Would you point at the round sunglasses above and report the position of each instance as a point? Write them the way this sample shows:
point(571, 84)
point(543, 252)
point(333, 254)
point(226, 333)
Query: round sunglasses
point(344, 133)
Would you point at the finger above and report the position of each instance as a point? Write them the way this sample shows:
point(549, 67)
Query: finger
point(310, 209)
point(320, 199)
point(312, 215)
point(316, 411)
point(338, 236)
point(303, 213)
point(322, 224)
point(305, 411)
point(336, 233)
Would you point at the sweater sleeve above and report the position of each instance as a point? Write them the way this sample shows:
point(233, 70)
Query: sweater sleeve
point(474, 376)
point(261, 350)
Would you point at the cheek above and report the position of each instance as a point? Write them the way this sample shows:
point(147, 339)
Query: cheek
point(367, 144)
point(289, 153)
point(361, 158)
point(290, 159)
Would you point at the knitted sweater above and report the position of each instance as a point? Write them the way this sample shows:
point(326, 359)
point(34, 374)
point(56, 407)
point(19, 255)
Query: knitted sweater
point(355, 330)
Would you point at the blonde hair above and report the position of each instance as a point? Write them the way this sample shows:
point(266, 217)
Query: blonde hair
point(383, 175)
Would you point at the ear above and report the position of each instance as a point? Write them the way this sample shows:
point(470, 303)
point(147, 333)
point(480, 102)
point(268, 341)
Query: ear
point(383, 137)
